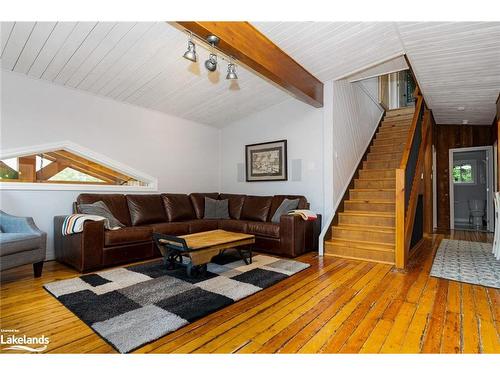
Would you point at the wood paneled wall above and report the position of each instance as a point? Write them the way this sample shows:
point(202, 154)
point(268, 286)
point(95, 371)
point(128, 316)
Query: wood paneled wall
point(454, 136)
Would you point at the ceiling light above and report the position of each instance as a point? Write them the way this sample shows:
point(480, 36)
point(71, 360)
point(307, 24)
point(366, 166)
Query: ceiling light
point(461, 108)
point(465, 122)
point(211, 63)
point(190, 54)
point(231, 71)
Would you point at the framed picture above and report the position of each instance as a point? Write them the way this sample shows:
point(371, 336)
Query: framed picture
point(266, 161)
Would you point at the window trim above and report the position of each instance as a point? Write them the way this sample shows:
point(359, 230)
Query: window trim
point(152, 182)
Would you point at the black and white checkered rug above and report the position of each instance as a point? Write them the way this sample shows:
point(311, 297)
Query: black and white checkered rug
point(132, 306)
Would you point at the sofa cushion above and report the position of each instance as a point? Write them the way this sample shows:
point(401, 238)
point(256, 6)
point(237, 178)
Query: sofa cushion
point(203, 225)
point(264, 229)
point(232, 225)
point(100, 209)
point(256, 208)
point(146, 209)
point(178, 207)
point(127, 235)
point(216, 208)
point(175, 229)
point(11, 243)
point(117, 204)
point(285, 206)
point(198, 201)
point(278, 199)
point(235, 204)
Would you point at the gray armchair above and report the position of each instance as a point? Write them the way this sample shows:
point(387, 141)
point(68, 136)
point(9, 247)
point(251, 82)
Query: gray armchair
point(21, 242)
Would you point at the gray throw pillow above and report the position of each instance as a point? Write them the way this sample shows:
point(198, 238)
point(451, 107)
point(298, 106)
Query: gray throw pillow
point(285, 206)
point(216, 209)
point(99, 208)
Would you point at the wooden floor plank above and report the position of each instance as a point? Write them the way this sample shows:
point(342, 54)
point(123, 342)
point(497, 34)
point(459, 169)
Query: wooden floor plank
point(470, 322)
point(432, 342)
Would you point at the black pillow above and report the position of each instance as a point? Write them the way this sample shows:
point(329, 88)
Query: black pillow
point(216, 209)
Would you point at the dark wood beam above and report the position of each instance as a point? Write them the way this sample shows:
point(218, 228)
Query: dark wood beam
point(251, 48)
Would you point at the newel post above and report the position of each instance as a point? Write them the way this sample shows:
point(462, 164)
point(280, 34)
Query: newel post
point(400, 251)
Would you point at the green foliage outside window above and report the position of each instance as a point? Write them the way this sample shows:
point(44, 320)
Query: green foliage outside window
point(462, 174)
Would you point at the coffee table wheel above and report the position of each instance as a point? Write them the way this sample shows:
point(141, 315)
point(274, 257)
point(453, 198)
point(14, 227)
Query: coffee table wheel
point(171, 260)
point(194, 271)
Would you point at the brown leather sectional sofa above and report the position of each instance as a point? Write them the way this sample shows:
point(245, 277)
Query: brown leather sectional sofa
point(179, 214)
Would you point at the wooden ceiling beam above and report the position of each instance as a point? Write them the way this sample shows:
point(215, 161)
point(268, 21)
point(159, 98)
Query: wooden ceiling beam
point(50, 170)
point(249, 47)
point(85, 166)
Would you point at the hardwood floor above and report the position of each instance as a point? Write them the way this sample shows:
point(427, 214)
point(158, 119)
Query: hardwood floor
point(335, 306)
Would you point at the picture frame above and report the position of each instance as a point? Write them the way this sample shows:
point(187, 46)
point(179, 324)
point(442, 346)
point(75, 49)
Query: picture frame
point(266, 161)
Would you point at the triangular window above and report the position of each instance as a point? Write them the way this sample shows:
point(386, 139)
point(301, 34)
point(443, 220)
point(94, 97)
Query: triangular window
point(62, 166)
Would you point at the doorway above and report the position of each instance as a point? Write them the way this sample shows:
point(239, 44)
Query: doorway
point(396, 90)
point(471, 188)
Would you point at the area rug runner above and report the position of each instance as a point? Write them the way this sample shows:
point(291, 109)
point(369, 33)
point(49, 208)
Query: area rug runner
point(132, 306)
point(467, 261)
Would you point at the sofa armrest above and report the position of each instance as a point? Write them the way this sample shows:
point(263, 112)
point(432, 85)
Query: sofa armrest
point(82, 251)
point(299, 236)
point(292, 235)
point(18, 224)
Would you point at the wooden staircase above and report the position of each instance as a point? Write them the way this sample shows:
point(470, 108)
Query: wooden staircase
point(365, 228)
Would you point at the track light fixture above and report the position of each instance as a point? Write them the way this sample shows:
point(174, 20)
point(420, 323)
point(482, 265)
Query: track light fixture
point(231, 71)
point(211, 63)
point(190, 54)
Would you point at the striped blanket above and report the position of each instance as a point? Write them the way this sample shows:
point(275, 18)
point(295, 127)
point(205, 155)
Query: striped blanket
point(74, 223)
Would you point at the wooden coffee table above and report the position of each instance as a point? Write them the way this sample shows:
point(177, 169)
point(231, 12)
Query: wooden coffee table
point(201, 247)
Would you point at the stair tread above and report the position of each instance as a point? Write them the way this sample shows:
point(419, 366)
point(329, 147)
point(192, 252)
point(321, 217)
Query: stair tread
point(368, 213)
point(378, 200)
point(367, 245)
point(382, 161)
point(374, 190)
point(378, 179)
point(366, 228)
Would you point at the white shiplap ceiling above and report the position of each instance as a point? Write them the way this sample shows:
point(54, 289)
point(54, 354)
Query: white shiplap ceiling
point(137, 63)
point(457, 64)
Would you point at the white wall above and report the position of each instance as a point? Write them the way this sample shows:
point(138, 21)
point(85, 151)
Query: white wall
point(355, 119)
point(183, 155)
point(302, 126)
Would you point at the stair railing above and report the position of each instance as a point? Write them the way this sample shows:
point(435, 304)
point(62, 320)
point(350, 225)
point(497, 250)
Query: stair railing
point(409, 179)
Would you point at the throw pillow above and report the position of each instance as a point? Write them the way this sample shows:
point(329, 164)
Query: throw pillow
point(285, 206)
point(216, 209)
point(100, 209)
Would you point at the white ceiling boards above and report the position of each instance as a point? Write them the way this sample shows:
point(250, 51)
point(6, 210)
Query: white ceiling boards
point(456, 64)
point(137, 63)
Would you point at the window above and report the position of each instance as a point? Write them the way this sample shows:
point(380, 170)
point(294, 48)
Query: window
point(464, 172)
point(62, 166)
